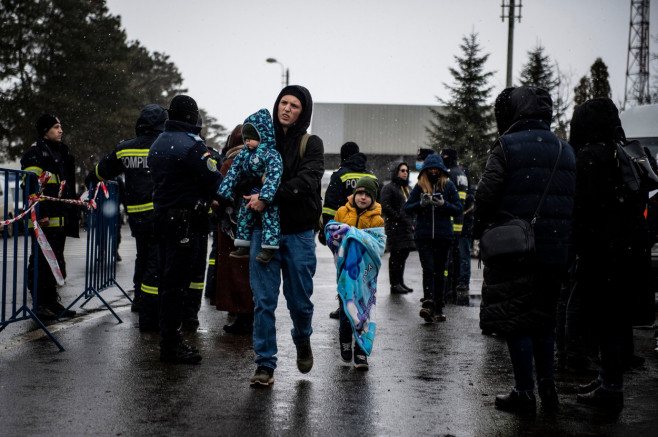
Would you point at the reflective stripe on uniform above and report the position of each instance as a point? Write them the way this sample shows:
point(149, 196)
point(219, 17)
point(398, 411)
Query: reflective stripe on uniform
point(140, 208)
point(457, 227)
point(347, 176)
point(150, 290)
point(132, 152)
point(196, 285)
point(211, 262)
point(54, 179)
point(54, 222)
point(97, 175)
point(462, 195)
point(331, 212)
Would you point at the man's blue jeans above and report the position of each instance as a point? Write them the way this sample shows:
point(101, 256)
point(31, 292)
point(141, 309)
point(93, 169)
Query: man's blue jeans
point(295, 263)
point(522, 350)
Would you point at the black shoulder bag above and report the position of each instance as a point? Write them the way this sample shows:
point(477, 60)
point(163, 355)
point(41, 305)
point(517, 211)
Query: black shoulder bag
point(513, 239)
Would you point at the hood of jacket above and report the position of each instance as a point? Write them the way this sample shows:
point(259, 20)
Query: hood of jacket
point(304, 120)
point(595, 121)
point(151, 120)
point(262, 122)
point(394, 168)
point(356, 162)
point(522, 103)
point(434, 161)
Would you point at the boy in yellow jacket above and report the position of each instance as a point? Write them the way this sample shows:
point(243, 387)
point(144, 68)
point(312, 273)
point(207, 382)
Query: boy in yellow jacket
point(362, 212)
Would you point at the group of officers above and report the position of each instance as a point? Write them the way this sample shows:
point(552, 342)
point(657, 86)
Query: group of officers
point(171, 178)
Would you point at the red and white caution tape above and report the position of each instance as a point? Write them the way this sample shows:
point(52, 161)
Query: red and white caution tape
point(48, 252)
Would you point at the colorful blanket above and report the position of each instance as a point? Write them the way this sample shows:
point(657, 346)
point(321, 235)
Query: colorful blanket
point(358, 254)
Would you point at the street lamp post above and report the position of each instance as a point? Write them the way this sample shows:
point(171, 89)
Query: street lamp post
point(285, 74)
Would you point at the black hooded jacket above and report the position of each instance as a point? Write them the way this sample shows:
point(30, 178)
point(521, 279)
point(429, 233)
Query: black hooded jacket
point(129, 157)
point(398, 224)
point(54, 157)
point(514, 179)
point(298, 196)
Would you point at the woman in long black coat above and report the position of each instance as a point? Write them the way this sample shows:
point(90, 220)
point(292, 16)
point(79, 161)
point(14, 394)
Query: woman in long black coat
point(519, 300)
point(398, 225)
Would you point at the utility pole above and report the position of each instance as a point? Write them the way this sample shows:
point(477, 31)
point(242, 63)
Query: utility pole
point(509, 11)
point(637, 61)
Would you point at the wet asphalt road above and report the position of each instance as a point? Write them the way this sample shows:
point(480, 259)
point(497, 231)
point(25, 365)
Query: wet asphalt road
point(436, 379)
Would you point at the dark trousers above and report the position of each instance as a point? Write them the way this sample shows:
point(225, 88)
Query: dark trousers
point(522, 350)
point(396, 263)
point(178, 255)
point(46, 283)
point(345, 330)
point(433, 254)
point(145, 277)
point(453, 264)
point(192, 299)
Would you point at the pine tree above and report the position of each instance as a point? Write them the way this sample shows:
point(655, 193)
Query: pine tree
point(595, 85)
point(72, 58)
point(599, 78)
point(465, 123)
point(561, 105)
point(539, 71)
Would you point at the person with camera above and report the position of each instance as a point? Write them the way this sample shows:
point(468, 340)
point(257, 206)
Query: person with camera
point(434, 201)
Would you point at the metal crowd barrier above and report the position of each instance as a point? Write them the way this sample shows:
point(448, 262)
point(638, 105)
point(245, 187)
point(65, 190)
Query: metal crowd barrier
point(102, 239)
point(16, 304)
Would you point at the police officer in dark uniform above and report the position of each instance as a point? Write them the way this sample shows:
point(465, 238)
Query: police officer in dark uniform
point(185, 179)
point(129, 157)
point(459, 178)
point(56, 219)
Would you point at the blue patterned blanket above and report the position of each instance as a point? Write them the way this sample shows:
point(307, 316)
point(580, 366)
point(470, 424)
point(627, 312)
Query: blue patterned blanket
point(358, 257)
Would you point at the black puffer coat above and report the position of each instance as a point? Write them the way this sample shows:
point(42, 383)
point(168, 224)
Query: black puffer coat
point(514, 179)
point(398, 225)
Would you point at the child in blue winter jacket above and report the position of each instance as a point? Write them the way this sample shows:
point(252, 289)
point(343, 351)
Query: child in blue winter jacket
point(258, 159)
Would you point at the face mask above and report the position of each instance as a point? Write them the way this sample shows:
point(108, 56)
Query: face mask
point(419, 165)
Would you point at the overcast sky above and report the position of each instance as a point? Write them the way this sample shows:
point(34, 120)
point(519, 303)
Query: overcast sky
point(365, 51)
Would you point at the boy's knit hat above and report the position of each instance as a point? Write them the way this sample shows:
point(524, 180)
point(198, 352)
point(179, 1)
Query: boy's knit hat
point(249, 132)
point(369, 185)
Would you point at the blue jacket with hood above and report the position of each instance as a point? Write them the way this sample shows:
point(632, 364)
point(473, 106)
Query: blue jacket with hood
point(264, 159)
point(434, 222)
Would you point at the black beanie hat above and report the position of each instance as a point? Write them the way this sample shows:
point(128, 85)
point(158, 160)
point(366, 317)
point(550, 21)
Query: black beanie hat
point(423, 153)
point(45, 122)
point(249, 132)
point(370, 185)
point(183, 108)
point(348, 150)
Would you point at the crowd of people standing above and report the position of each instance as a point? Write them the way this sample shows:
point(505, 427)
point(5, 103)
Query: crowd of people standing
point(264, 190)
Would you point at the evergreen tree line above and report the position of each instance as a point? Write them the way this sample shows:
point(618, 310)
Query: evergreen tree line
point(466, 120)
point(72, 58)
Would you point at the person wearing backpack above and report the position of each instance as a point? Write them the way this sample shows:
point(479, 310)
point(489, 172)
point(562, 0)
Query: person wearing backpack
point(300, 206)
point(612, 244)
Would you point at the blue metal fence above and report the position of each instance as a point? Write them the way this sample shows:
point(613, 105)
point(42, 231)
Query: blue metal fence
point(102, 239)
point(17, 305)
